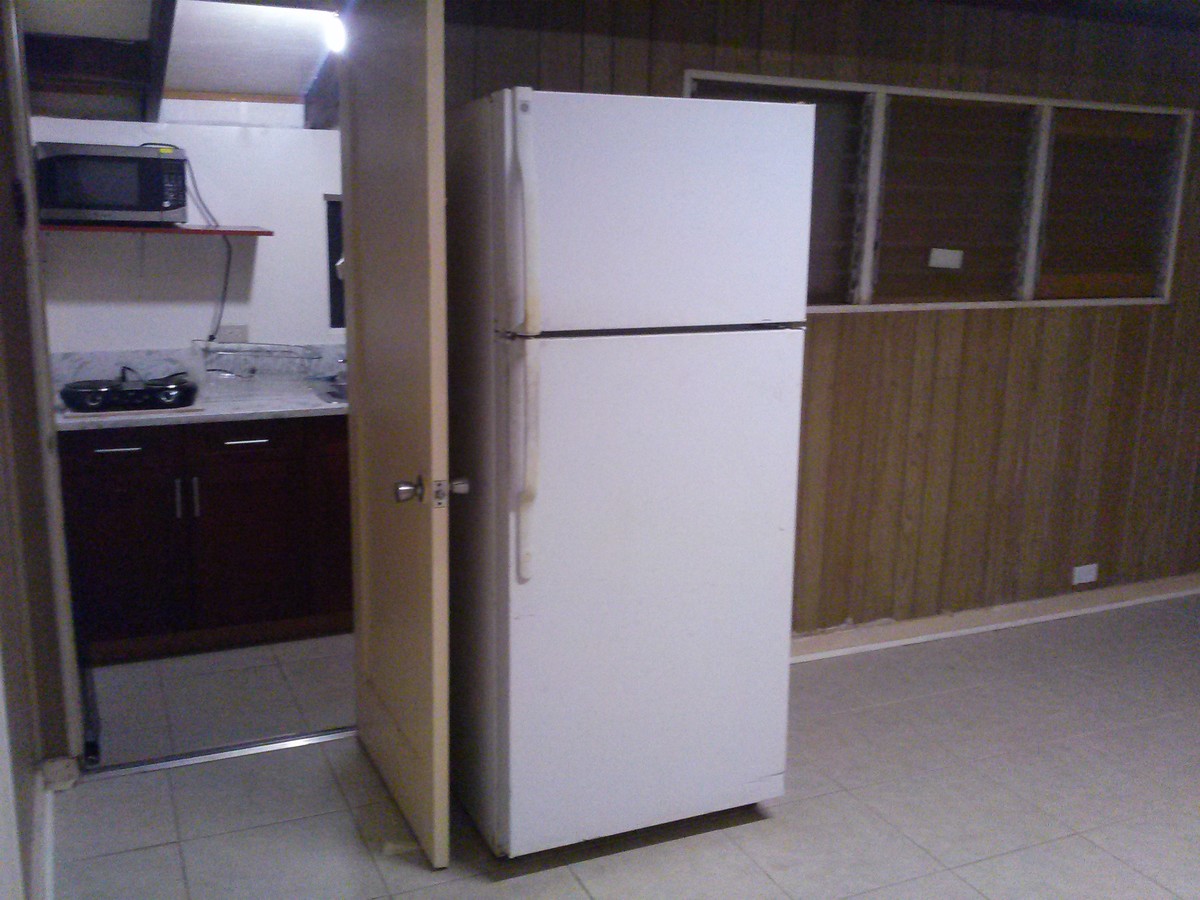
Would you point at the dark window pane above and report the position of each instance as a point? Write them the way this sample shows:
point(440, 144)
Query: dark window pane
point(337, 297)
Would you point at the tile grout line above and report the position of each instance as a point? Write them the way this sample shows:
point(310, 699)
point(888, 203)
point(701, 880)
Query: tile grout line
point(178, 842)
point(354, 821)
point(350, 810)
point(293, 695)
point(166, 702)
point(754, 862)
point(942, 871)
point(1125, 862)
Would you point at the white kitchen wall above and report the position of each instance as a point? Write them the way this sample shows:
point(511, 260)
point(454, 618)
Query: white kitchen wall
point(232, 112)
point(108, 291)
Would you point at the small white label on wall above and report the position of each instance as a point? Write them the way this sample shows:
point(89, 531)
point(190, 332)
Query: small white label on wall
point(1085, 574)
point(941, 258)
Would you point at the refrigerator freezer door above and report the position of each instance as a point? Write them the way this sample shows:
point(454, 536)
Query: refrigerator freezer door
point(645, 212)
point(648, 663)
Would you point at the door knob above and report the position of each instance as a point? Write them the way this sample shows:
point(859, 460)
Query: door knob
point(410, 490)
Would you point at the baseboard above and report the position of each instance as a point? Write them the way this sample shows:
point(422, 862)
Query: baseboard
point(878, 635)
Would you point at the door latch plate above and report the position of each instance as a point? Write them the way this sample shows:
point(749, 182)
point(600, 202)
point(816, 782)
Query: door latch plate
point(441, 494)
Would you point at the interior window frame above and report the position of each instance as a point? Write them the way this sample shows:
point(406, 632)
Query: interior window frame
point(871, 195)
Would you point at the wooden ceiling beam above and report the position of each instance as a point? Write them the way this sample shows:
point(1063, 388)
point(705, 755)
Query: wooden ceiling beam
point(63, 63)
point(162, 21)
point(321, 99)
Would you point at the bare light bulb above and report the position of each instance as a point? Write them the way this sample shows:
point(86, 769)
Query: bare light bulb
point(335, 34)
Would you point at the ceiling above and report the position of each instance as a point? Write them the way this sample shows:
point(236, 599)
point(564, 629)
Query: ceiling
point(119, 58)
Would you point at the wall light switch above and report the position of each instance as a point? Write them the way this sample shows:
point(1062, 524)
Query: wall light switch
point(1085, 574)
point(941, 258)
point(233, 334)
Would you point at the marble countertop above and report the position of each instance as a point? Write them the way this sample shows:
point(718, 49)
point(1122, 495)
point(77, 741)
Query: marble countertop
point(219, 400)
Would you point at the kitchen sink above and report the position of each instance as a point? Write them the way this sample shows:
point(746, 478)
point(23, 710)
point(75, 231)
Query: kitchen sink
point(330, 388)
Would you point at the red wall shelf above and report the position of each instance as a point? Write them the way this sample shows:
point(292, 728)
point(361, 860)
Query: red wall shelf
point(230, 230)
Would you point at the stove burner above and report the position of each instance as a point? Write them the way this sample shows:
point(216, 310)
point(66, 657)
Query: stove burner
point(101, 395)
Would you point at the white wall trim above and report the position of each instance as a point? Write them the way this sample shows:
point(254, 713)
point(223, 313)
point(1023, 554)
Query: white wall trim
point(691, 76)
point(880, 635)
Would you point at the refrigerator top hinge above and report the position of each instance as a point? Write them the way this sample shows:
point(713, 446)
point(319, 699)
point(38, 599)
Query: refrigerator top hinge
point(443, 489)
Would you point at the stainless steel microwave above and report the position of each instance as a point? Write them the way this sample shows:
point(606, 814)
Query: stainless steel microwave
point(106, 183)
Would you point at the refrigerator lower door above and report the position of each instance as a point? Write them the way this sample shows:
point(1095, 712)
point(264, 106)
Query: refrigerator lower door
point(649, 630)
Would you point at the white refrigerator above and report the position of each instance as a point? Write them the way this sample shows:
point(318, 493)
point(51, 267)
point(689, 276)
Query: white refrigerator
point(628, 279)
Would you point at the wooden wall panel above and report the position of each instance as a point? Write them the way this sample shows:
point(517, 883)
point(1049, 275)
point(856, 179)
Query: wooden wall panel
point(950, 459)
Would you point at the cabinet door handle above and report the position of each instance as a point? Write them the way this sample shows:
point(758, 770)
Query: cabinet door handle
point(116, 449)
point(179, 498)
point(250, 441)
point(195, 496)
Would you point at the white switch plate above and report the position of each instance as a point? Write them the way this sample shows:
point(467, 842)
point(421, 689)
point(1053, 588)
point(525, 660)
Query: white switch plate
point(1085, 574)
point(233, 334)
point(941, 258)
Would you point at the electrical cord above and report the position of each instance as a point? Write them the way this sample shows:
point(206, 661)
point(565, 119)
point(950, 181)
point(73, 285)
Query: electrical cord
point(211, 221)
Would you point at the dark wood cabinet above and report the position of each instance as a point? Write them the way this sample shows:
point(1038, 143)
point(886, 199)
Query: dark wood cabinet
point(123, 501)
point(199, 537)
point(250, 551)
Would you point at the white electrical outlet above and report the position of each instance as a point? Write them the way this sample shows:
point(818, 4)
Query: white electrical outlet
point(233, 334)
point(941, 258)
point(1085, 574)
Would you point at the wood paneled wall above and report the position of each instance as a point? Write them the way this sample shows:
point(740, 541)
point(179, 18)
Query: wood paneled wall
point(949, 459)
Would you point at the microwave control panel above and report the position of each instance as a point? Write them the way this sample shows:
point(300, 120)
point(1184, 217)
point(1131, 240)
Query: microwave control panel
point(174, 190)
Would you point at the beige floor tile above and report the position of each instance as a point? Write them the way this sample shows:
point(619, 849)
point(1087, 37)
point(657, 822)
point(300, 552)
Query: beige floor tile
point(831, 846)
point(1154, 748)
point(960, 816)
point(314, 648)
point(880, 743)
point(918, 670)
point(215, 709)
point(319, 858)
point(132, 709)
point(131, 695)
point(1075, 783)
point(120, 745)
point(700, 866)
point(942, 886)
point(1068, 868)
point(824, 687)
point(97, 818)
point(355, 774)
point(324, 689)
point(155, 872)
point(233, 794)
point(403, 866)
point(557, 884)
point(802, 780)
point(218, 661)
point(1164, 846)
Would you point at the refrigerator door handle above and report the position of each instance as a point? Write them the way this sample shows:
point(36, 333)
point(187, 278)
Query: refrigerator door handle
point(527, 185)
point(529, 463)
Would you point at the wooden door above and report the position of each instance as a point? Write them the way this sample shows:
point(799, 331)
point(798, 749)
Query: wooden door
point(393, 159)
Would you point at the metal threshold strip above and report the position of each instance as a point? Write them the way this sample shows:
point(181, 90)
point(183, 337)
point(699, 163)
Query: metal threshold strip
point(188, 759)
